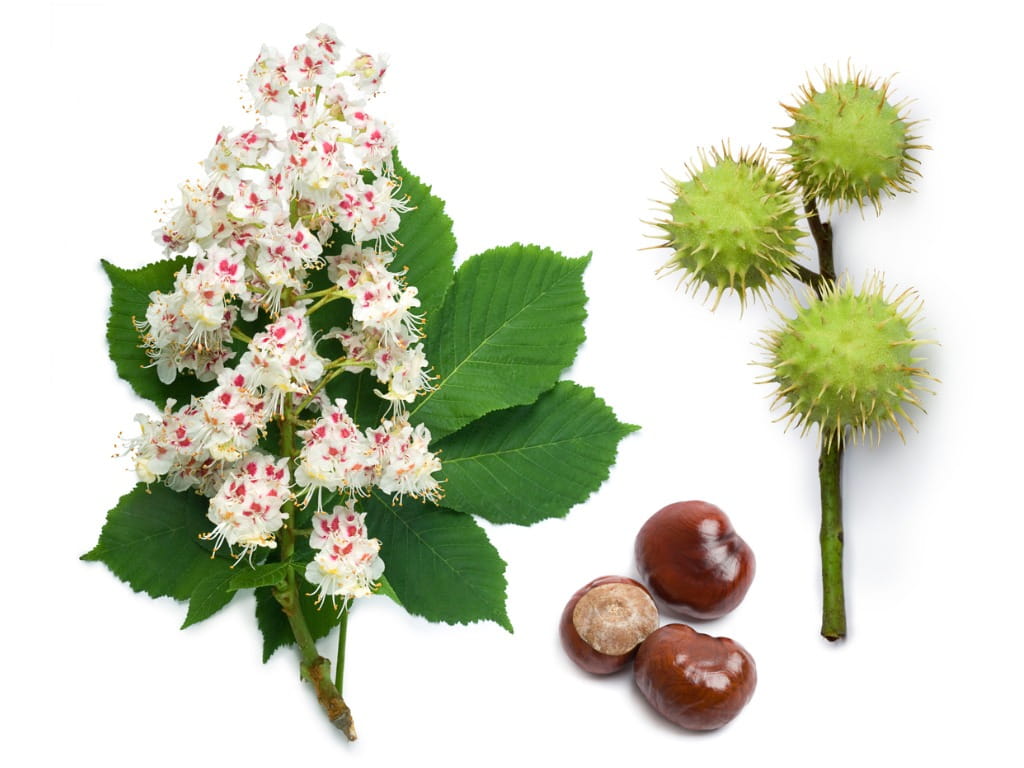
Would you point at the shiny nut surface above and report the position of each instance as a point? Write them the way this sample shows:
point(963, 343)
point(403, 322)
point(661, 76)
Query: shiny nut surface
point(693, 560)
point(696, 681)
point(605, 621)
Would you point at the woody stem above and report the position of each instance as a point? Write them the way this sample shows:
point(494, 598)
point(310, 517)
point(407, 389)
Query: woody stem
point(830, 461)
point(313, 667)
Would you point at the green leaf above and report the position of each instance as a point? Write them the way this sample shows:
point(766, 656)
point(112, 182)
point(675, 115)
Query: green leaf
point(439, 562)
point(510, 324)
point(151, 541)
point(129, 300)
point(526, 464)
point(266, 575)
point(272, 623)
point(210, 595)
point(428, 245)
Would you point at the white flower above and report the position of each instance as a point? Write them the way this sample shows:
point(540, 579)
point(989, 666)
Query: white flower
point(173, 447)
point(255, 203)
point(201, 218)
point(221, 164)
point(347, 564)
point(151, 451)
point(251, 146)
point(246, 511)
point(310, 65)
point(406, 464)
point(380, 299)
point(268, 83)
point(379, 211)
point(404, 370)
point(188, 329)
point(335, 455)
point(326, 40)
point(369, 72)
point(234, 417)
point(202, 307)
point(283, 254)
point(374, 142)
point(176, 234)
point(283, 360)
point(342, 522)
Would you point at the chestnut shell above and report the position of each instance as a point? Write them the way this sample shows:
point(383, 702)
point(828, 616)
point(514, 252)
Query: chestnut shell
point(693, 560)
point(579, 650)
point(697, 681)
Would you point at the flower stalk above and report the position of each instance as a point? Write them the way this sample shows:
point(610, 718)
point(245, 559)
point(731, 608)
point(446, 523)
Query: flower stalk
point(339, 662)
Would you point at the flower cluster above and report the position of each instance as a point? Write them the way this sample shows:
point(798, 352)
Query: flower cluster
point(336, 455)
point(194, 446)
point(250, 227)
point(282, 360)
point(347, 563)
point(190, 328)
point(275, 207)
point(384, 329)
point(247, 508)
point(407, 465)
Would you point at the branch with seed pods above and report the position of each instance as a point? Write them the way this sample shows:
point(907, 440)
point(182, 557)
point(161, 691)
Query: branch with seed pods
point(846, 360)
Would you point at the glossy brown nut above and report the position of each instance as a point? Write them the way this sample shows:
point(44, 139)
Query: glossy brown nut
point(693, 561)
point(697, 681)
point(605, 621)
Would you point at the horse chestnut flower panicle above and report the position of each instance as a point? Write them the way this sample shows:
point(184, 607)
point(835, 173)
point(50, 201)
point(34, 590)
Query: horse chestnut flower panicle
point(697, 681)
point(605, 621)
point(693, 561)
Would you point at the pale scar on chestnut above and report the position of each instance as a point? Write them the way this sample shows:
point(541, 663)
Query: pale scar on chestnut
point(605, 621)
point(615, 618)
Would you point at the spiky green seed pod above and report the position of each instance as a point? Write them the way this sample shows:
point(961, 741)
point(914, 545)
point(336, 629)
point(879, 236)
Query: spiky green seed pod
point(848, 143)
point(732, 225)
point(846, 362)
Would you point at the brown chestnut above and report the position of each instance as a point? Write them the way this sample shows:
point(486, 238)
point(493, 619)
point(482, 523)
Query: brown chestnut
point(693, 561)
point(605, 621)
point(697, 681)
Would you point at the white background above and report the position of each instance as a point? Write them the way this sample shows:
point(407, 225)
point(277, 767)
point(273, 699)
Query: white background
point(550, 123)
